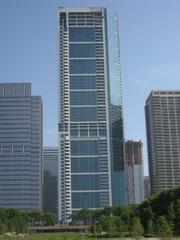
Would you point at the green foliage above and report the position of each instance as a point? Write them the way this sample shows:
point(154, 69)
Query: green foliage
point(13, 220)
point(136, 228)
point(2, 228)
point(163, 228)
point(49, 219)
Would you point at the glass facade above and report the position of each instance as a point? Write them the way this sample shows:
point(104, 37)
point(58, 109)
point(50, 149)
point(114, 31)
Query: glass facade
point(119, 180)
point(50, 156)
point(20, 147)
point(90, 111)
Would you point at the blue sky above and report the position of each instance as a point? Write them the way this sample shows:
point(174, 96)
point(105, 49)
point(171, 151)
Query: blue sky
point(150, 53)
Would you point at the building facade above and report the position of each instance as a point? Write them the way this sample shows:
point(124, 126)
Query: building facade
point(91, 141)
point(50, 155)
point(135, 172)
point(20, 147)
point(163, 137)
point(147, 191)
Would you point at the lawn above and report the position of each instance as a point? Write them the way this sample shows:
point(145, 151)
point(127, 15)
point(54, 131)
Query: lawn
point(53, 236)
point(61, 236)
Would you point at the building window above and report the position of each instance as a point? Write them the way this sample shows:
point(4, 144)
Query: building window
point(84, 147)
point(82, 34)
point(82, 50)
point(82, 82)
point(82, 66)
point(7, 148)
point(84, 164)
point(18, 148)
point(85, 182)
point(79, 114)
point(83, 98)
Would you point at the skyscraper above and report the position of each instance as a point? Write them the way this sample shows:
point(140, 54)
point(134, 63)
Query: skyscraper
point(147, 191)
point(92, 167)
point(20, 147)
point(135, 172)
point(163, 138)
point(50, 155)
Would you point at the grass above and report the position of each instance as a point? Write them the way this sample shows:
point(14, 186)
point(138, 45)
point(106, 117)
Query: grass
point(58, 236)
point(53, 236)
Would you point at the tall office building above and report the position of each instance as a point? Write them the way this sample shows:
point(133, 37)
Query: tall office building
point(147, 191)
point(20, 147)
point(50, 155)
point(163, 138)
point(135, 172)
point(92, 167)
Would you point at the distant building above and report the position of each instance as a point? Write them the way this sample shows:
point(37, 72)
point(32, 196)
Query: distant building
point(91, 138)
point(135, 172)
point(147, 190)
point(50, 179)
point(20, 147)
point(163, 138)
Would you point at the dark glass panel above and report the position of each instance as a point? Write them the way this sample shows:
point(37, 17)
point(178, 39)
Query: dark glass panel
point(82, 66)
point(84, 147)
point(84, 164)
point(83, 98)
point(83, 114)
point(86, 200)
point(85, 182)
point(81, 34)
point(82, 82)
point(82, 50)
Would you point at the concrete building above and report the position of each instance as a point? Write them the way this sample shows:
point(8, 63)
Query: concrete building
point(50, 155)
point(163, 138)
point(147, 191)
point(20, 147)
point(91, 141)
point(135, 172)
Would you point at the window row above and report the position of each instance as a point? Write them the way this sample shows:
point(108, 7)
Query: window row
point(79, 50)
point(82, 66)
point(84, 147)
point(79, 114)
point(81, 34)
point(83, 98)
point(84, 164)
point(82, 82)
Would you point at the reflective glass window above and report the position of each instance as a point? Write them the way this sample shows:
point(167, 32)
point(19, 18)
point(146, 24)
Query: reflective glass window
point(82, 66)
point(74, 133)
point(83, 114)
point(84, 147)
point(85, 182)
point(18, 148)
point(7, 149)
point(82, 82)
point(82, 50)
point(102, 132)
point(86, 200)
point(81, 34)
point(83, 98)
point(83, 132)
point(93, 132)
point(84, 164)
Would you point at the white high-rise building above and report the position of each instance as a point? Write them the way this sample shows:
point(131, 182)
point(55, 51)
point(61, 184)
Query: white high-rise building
point(91, 141)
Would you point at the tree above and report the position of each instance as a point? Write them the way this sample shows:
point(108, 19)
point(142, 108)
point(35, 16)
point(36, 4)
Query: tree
point(84, 215)
point(177, 216)
point(122, 228)
point(2, 228)
point(49, 219)
point(136, 228)
point(109, 224)
point(163, 228)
